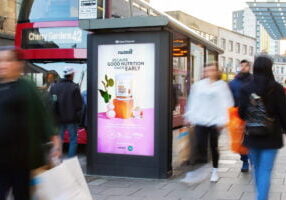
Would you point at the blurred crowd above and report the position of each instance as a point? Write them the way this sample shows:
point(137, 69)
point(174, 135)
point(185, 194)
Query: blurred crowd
point(33, 121)
point(255, 103)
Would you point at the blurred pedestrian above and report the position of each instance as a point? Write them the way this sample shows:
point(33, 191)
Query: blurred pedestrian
point(242, 78)
point(50, 79)
point(68, 107)
point(25, 127)
point(262, 104)
point(207, 109)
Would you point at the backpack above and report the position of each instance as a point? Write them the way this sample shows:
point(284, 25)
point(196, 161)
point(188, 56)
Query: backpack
point(258, 121)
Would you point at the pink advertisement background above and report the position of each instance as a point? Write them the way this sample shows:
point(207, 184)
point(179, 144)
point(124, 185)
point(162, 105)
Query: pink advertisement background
point(127, 136)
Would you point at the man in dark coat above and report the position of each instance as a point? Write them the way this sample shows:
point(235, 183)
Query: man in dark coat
point(68, 106)
point(242, 78)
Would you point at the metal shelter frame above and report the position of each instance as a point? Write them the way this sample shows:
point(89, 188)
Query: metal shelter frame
point(272, 16)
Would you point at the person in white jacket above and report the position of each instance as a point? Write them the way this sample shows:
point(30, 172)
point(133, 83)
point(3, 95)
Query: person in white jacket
point(207, 110)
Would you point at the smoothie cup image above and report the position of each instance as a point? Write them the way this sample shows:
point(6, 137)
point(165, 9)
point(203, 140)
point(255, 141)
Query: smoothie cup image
point(123, 103)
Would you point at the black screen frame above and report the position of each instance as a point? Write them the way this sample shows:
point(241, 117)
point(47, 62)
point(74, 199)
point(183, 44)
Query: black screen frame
point(158, 166)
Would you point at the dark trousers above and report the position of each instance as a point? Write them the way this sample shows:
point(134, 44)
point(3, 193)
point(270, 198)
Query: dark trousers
point(204, 135)
point(18, 181)
point(244, 158)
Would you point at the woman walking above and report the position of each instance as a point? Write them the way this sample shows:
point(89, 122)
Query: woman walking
point(263, 107)
point(207, 109)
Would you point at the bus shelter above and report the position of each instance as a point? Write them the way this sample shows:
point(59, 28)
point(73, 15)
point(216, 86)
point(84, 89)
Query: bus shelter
point(140, 70)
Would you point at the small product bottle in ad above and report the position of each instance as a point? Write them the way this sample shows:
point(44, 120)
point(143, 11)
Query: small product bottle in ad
point(123, 103)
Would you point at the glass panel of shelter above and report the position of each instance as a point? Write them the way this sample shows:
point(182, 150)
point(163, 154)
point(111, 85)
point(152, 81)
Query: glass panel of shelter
point(45, 74)
point(181, 77)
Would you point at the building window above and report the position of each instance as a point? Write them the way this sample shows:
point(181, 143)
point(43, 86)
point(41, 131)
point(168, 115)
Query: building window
point(230, 46)
point(237, 64)
point(251, 53)
point(222, 62)
point(275, 69)
point(204, 35)
point(282, 70)
point(223, 44)
point(237, 48)
point(244, 50)
point(230, 63)
point(213, 39)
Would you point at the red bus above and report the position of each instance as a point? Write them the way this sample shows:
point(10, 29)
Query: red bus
point(48, 33)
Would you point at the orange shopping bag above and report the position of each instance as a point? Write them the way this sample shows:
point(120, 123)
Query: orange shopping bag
point(236, 132)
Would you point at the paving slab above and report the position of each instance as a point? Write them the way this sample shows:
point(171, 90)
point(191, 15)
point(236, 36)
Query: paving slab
point(251, 196)
point(232, 184)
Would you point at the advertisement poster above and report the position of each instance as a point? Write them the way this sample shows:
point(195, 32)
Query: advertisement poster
point(87, 9)
point(126, 88)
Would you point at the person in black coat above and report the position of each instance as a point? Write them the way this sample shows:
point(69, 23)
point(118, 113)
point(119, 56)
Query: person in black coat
point(242, 78)
point(68, 107)
point(264, 148)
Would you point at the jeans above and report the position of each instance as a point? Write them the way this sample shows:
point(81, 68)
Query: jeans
point(262, 161)
point(205, 134)
point(17, 180)
point(244, 158)
point(72, 129)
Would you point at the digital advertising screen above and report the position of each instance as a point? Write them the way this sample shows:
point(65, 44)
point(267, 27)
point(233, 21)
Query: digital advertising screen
point(126, 99)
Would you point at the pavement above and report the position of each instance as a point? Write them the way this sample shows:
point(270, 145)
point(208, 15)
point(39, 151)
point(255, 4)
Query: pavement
point(232, 185)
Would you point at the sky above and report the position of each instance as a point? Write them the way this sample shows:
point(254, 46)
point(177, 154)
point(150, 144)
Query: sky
point(218, 12)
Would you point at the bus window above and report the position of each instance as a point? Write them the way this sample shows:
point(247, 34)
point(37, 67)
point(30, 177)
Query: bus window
point(48, 10)
point(39, 72)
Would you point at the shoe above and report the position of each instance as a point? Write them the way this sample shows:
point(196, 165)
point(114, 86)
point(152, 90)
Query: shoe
point(245, 167)
point(214, 176)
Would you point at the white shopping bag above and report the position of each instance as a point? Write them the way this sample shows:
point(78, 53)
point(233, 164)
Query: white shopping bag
point(64, 182)
point(198, 175)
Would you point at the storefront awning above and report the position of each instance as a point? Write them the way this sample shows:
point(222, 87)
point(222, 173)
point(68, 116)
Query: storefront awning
point(272, 15)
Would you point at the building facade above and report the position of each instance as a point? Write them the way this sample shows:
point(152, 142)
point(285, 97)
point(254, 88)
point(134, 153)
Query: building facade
point(236, 46)
point(244, 22)
point(203, 28)
point(279, 69)
point(8, 18)
point(122, 8)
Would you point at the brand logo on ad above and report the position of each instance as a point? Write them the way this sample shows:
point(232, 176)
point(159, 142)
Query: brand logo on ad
point(124, 41)
point(130, 148)
point(130, 51)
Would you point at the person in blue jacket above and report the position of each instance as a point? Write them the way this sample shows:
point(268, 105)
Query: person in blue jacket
point(242, 78)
